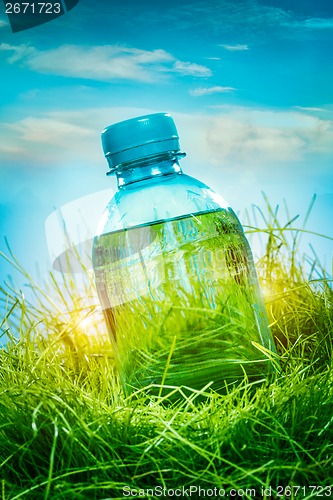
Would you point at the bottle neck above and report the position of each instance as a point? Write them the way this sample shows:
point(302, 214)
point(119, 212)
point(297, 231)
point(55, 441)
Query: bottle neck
point(148, 168)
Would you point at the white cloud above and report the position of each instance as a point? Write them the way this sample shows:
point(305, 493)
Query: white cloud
point(191, 69)
point(47, 140)
point(19, 52)
point(235, 48)
point(200, 91)
point(247, 17)
point(251, 137)
point(49, 130)
point(315, 23)
point(304, 108)
point(103, 62)
point(2, 23)
point(58, 138)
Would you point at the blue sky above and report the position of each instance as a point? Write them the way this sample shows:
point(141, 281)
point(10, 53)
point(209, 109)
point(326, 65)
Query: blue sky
point(249, 84)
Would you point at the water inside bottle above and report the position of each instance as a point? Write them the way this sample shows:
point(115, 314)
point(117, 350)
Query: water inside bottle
point(182, 302)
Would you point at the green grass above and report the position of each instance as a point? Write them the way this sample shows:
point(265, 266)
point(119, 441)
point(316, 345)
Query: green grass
point(68, 432)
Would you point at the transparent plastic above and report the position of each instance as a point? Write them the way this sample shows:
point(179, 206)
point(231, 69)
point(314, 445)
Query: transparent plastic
point(177, 282)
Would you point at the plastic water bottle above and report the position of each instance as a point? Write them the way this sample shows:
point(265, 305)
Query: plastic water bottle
point(174, 272)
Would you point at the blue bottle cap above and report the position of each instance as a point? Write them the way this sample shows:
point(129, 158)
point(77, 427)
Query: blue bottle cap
point(139, 137)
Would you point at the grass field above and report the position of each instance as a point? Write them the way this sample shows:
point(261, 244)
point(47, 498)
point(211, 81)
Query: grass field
point(67, 431)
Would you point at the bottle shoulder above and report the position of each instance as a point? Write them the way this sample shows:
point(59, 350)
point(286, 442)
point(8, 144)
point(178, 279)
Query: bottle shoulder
point(160, 199)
